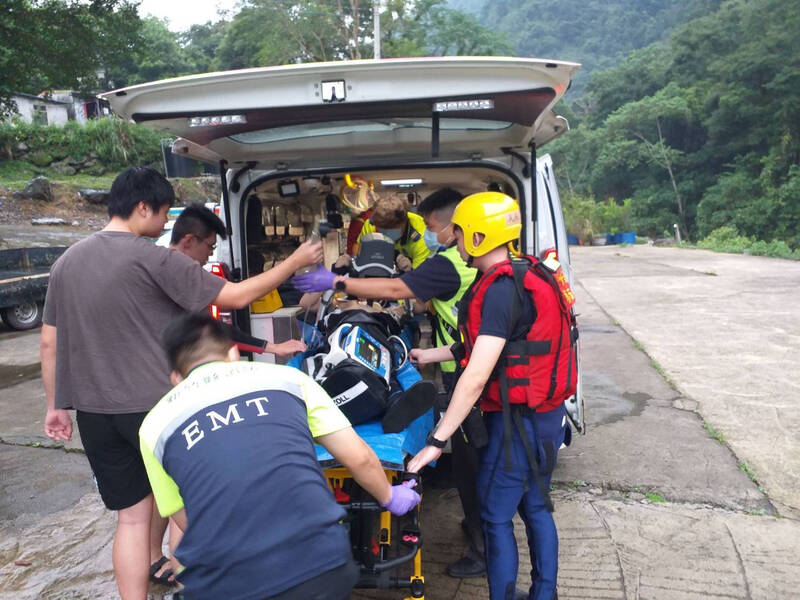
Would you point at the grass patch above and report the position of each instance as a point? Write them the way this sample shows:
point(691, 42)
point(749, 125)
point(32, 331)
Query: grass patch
point(758, 512)
point(98, 182)
point(714, 433)
point(15, 174)
point(578, 483)
point(747, 469)
point(727, 239)
point(654, 497)
point(660, 370)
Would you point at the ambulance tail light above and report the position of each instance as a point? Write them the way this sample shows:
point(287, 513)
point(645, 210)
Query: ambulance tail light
point(220, 270)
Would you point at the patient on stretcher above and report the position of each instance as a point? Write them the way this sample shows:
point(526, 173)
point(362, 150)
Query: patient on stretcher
point(357, 352)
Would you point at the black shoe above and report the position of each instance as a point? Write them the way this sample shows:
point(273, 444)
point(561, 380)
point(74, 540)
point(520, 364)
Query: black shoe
point(414, 403)
point(466, 567)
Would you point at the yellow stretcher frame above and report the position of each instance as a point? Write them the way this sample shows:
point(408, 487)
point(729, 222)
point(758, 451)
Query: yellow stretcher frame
point(336, 476)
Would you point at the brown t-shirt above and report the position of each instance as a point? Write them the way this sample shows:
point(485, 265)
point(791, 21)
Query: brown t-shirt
point(110, 297)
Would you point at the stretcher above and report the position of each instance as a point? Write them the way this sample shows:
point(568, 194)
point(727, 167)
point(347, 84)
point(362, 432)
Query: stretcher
point(386, 548)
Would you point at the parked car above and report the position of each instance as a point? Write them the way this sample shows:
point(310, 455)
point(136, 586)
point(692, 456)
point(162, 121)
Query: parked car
point(287, 138)
point(24, 274)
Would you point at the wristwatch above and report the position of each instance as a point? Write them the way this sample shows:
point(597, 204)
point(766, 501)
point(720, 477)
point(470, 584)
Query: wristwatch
point(432, 441)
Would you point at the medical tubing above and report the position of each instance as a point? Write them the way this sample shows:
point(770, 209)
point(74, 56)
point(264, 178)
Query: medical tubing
point(405, 349)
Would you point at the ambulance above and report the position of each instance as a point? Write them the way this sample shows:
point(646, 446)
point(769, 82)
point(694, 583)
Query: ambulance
point(293, 141)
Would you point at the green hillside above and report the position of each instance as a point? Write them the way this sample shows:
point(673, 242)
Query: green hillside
point(702, 129)
point(596, 33)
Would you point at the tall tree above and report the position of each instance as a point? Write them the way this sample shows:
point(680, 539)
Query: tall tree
point(270, 32)
point(200, 43)
point(48, 44)
point(157, 55)
point(646, 121)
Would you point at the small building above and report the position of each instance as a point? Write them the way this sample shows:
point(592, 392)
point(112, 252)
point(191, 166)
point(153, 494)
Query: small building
point(58, 107)
point(82, 108)
point(41, 111)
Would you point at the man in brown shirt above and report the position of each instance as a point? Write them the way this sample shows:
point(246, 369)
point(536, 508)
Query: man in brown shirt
point(110, 296)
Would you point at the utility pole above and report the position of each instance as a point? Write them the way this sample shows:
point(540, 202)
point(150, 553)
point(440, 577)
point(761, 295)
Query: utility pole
point(376, 28)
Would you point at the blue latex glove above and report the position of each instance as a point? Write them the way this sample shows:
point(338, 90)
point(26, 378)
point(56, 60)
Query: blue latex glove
point(403, 498)
point(318, 280)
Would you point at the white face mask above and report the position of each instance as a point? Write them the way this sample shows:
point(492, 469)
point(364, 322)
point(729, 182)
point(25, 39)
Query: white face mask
point(392, 234)
point(431, 240)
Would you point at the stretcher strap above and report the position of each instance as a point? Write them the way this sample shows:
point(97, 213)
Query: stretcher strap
point(523, 434)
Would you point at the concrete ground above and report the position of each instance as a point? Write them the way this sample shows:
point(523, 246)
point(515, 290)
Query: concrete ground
point(685, 485)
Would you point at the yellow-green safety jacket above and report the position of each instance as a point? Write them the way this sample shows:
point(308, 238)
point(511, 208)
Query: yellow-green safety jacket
point(411, 244)
point(445, 312)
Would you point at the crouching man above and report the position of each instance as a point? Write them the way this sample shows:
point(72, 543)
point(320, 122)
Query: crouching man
point(230, 455)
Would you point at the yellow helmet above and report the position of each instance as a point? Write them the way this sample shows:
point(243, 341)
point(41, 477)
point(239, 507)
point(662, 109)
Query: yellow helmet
point(492, 214)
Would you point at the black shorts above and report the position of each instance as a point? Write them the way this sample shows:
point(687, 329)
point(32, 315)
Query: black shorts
point(335, 584)
point(111, 443)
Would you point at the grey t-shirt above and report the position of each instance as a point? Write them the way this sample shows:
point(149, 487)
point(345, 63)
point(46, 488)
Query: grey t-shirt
point(110, 297)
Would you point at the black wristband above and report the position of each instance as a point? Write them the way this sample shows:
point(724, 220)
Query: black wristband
point(432, 441)
point(458, 350)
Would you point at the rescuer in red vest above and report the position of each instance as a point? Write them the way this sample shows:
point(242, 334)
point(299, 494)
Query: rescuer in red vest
point(518, 358)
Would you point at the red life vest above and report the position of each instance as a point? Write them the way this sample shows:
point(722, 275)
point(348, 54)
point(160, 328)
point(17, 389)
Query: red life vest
point(541, 369)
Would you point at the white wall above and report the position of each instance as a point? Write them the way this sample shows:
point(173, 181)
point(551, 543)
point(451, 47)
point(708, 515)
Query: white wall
point(56, 113)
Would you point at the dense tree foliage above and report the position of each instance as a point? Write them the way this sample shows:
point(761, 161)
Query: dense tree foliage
point(52, 44)
point(687, 112)
point(269, 32)
point(596, 33)
point(48, 44)
point(702, 130)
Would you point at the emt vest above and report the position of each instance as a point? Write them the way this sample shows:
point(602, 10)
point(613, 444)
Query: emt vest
point(445, 317)
point(539, 371)
point(411, 244)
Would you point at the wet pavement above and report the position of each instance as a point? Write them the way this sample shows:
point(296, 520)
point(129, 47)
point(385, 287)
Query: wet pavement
point(40, 236)
point(653, 502)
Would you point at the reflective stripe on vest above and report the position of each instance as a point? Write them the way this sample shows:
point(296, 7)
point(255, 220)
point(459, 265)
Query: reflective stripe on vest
point(446, 311)
point(413, 247)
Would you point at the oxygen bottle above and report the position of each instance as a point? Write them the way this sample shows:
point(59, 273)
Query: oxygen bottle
point(315, 237)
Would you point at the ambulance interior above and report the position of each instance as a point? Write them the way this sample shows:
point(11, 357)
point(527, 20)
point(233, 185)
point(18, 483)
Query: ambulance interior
point(280, 213)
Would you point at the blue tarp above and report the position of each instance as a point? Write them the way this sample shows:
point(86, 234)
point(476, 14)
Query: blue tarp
point(391, 448)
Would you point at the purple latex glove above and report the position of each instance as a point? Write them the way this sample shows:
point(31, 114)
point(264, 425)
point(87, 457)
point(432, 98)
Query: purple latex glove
point(403, 498)
point(318, 280)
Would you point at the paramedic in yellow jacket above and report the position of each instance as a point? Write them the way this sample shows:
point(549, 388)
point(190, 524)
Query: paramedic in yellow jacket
point(392, 218)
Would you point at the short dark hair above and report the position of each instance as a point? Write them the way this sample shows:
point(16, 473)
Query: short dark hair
point(197, 220)
point(442, 200)
point(192, 338)
point(138, 184)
